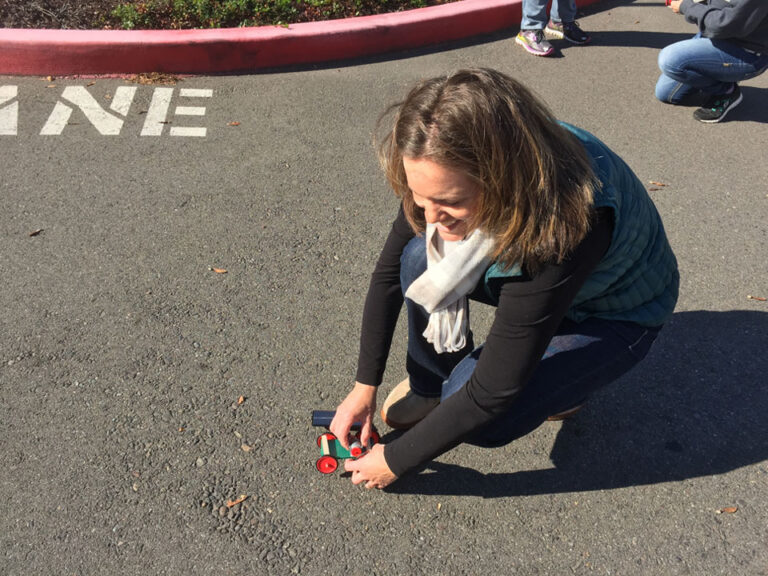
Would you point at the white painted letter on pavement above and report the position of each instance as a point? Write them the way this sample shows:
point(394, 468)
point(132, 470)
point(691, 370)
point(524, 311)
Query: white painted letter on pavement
point(108, 121)
point(191, 111)
point(158, 112)
point(9, 113)
point(107, 124)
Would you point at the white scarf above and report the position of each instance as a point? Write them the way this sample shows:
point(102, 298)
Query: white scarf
point(453, 269)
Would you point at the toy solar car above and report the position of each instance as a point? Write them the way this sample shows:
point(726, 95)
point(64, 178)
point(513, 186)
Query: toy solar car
point(331, 450)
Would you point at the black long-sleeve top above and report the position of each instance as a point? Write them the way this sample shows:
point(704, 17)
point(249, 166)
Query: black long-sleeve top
point(529, 311)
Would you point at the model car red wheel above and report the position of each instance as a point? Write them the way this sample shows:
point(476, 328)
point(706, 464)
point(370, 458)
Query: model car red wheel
point(356, 449)
point(328, 436)
point(326, 464)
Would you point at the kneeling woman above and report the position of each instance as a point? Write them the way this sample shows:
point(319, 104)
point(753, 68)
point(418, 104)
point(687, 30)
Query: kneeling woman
point(502, 204)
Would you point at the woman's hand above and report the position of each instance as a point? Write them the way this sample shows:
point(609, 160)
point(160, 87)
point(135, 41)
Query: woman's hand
point(675, 5)
point(371, 468)
point(358, 406)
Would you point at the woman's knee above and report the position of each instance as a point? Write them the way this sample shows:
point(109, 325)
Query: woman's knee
point(670, 61)
point(671, 87)
point(665, 88)
point(668, 83)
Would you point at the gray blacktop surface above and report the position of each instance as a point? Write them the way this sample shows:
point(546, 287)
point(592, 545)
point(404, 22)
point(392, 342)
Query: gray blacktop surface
point(141, 390)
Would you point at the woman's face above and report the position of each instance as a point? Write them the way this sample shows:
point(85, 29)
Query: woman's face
point(448, 197)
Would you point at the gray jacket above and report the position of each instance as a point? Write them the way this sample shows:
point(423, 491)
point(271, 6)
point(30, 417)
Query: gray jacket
point(743, 22)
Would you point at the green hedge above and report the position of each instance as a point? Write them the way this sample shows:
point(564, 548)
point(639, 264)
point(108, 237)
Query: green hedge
point(178, 14)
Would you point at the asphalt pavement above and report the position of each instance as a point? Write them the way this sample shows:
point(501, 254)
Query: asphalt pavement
point(184, 267)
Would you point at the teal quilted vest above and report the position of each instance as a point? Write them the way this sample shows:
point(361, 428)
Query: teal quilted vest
point(637, 279)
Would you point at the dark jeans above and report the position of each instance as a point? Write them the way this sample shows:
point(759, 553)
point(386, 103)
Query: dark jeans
point(581, 358)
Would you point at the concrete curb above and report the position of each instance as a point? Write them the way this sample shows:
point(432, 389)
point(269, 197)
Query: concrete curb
point(69, 52)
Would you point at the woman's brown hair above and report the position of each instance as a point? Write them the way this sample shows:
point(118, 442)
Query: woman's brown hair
point(535, 178)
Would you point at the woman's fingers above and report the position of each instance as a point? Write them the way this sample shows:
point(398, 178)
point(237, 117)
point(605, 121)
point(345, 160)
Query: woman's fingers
point(371, 468)
point(340, 427)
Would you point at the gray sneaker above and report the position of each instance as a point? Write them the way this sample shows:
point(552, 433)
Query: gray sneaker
point(715, 109)
point(534, 42)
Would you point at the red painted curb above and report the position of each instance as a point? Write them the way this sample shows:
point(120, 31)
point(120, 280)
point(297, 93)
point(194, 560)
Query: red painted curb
point(67, 52)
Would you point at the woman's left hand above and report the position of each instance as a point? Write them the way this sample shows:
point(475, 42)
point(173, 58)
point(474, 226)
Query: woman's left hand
point(371, 468)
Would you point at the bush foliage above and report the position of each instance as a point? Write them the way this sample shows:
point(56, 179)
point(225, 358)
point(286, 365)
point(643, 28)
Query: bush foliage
point(182, 14)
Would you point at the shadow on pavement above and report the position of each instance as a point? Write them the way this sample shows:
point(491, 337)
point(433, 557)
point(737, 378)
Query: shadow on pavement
point(639, 39)
point(696, 407)
point(752, 108)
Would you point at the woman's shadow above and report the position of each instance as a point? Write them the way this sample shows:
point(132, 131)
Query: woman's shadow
point(695, 407)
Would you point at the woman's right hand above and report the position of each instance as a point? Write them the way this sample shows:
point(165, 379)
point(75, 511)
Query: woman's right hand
point(358, 406)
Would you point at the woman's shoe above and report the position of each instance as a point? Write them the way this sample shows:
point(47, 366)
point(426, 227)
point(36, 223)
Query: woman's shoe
point(403, 408)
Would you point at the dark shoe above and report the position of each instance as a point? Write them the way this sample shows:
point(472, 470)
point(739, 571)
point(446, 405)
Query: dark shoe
point(717, 107)
point(565, 414)
point(403, 409)
point(533, 41)
point(566, 30)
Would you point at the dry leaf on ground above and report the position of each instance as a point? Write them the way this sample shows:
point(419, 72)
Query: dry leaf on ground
point(231, 503)
point(728, 510)
point(154, 78)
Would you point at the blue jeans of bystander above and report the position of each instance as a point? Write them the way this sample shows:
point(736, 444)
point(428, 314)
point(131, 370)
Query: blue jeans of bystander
point(704, 65)
point(535, 13)
point(581, 358)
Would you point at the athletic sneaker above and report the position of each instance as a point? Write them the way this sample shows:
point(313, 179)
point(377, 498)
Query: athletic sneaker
point(566, 30)
point(717, 107)
point(534, 42)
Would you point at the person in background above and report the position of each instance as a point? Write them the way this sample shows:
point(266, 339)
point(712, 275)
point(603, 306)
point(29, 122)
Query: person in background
point(730, 46)
point(502, 204)
point(535, 27)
